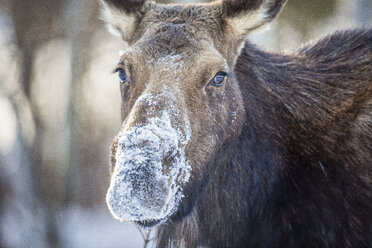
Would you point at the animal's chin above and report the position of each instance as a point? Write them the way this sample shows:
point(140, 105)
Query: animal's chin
point(145, 218)
point(152, 222)
point(149, 221)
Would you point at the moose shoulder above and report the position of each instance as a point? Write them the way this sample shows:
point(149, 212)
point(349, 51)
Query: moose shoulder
point(224, 145)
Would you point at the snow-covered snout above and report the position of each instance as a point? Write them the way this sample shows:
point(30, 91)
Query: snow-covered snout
point(150, 166)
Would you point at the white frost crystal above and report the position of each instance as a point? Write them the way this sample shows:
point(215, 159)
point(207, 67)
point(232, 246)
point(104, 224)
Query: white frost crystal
point(151, 165)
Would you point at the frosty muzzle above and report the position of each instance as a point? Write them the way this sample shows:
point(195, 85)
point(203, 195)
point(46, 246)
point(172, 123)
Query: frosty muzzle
point(150, 167)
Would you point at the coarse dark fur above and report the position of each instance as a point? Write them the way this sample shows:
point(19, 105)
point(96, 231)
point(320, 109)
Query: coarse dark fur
point(299, 174)
point(297, 170)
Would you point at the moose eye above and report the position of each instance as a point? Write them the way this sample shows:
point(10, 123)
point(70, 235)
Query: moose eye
point(218, 79)
point(122, 75)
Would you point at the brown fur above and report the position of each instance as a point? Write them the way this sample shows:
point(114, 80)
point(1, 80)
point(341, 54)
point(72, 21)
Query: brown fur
point(281, 154)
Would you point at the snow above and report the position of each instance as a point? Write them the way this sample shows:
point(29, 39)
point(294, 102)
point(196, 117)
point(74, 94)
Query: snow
point(86, 228)
point(151, 166)
point(122, 52)
point(172, 63)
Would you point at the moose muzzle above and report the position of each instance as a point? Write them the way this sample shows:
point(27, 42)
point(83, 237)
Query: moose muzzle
point(151, 166)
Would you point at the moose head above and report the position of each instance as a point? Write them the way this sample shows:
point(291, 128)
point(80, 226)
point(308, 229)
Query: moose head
point(181, 103)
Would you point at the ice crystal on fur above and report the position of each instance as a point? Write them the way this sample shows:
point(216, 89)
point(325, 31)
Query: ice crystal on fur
point(151, 167)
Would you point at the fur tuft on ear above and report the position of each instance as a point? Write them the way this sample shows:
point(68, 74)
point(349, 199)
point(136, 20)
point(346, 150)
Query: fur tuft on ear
point(247, 15)
point(121, 16)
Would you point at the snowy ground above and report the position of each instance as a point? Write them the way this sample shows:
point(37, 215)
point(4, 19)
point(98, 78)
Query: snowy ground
point(88, 228)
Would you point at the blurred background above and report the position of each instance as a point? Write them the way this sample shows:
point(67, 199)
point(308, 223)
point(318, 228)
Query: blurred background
point(60, 109)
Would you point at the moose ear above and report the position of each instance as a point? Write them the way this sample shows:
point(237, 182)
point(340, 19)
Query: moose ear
point(121, 16)
point(247, 15)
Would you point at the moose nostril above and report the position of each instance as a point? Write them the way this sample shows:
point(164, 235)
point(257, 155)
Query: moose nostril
point(169, 159)
point(177, 20)
point(148, 189)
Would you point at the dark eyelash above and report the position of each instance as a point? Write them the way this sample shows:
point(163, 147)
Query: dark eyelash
point(224, 73)
point(116, 70)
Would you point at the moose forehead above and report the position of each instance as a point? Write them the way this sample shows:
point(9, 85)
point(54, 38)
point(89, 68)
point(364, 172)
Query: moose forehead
point(173, 43)
point(165, 39)
point(176, 27)
point(196, 16)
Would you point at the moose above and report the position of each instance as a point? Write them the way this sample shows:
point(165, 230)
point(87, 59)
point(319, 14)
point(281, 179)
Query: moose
point(225, 145)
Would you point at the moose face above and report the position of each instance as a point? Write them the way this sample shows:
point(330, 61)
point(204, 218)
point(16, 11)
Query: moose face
point(180, 101)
